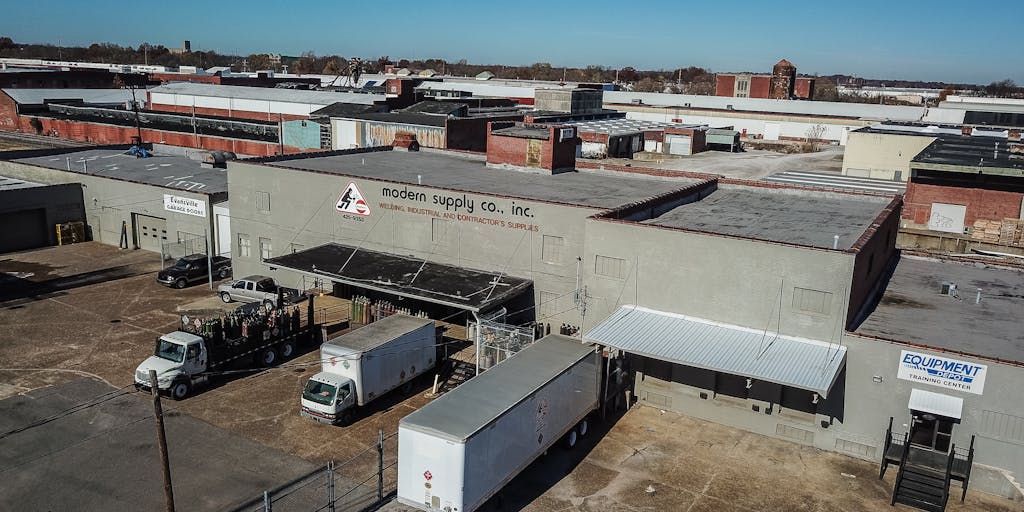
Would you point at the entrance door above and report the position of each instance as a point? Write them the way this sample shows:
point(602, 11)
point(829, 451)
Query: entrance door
point(679, 144)
point(931, 431)
point(150, 232)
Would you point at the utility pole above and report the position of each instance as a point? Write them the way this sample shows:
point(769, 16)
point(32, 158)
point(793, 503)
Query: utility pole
point(135, 107)
point(380, 464)
point(158, 413)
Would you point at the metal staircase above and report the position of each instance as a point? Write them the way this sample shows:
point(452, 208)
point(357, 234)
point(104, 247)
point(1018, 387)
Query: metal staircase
point(924, 476)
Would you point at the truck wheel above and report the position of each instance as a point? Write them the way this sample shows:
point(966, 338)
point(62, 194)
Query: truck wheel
point(180, 389)
point(582, 427)
point(180, 283)
point(225, 296)
point(268, 357)
point(223, 274)
point(287, 350)
point(570, 439)
point(345, 418)
point(407, 388)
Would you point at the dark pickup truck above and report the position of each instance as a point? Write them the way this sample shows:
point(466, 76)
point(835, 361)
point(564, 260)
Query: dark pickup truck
point(192, 268)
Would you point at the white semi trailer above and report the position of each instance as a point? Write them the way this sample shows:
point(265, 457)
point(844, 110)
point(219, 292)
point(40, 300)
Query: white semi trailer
point(362, 365)
point(461, 449)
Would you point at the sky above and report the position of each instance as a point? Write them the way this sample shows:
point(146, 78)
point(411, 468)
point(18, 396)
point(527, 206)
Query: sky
point(894, 39)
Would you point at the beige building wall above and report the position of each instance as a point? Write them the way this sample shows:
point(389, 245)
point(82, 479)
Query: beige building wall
point(882, 155)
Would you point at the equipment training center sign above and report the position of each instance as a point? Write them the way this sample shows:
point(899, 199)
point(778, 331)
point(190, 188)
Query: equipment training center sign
point(942, 372)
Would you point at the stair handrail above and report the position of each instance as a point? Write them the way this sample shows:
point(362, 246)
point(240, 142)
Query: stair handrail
point(967, 474)
point(949, 473)
point(885, 450)
point(903, 466)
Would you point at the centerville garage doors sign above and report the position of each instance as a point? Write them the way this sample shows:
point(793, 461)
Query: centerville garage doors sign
point(943, 372)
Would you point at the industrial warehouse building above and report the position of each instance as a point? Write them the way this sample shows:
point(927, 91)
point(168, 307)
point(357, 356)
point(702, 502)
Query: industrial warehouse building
point(35, 215)
point(167, 203)
point(780, 310)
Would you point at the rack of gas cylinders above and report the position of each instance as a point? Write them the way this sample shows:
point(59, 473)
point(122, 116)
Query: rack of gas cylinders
point(246, 324)
point(366, 311)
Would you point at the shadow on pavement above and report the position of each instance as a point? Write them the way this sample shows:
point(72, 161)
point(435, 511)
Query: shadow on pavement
point(14, 287)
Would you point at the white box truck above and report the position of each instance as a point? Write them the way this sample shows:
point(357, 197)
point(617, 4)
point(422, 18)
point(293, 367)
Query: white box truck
point(461, 449)
point(362, 365)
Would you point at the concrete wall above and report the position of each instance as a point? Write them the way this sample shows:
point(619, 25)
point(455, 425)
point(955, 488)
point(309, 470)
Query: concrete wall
point(110, 202)
point(867, 395)
point(882, 155)
point(726, 279)
point(478, 239)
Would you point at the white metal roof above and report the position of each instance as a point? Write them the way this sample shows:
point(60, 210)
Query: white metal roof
point(790, 361)
point(818, 108)
point(623, 125)
point(265, 93)
point(89, 96)
point(936, 403)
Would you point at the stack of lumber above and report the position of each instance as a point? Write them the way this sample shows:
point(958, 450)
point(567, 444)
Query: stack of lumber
point(1009, 232)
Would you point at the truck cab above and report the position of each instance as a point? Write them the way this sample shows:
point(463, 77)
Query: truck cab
point(179, 359)
point(329, 398)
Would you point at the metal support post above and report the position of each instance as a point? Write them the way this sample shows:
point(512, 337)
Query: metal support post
point(209, 257)
point(266, 502)
point(380, 464)
point(476, 318)
point(330, 486)
point(161, 436)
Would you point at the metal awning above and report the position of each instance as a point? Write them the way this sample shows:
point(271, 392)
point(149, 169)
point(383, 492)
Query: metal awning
point(936, 403)
point(796, 362)
point(404, 276)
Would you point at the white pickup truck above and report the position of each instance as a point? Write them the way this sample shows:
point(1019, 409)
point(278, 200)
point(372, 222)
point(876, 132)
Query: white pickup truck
point(260, 289)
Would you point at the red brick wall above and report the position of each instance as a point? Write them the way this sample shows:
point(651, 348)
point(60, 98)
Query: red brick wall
point(760, 86)
point(804, 88)
point(238, 114)
point(725, 85)
point(593, 137)
point(505, 150)
point(981, 203)
point(9, 120)
point(469, 133)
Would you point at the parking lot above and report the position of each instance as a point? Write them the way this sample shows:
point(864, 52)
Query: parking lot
point(78, 319)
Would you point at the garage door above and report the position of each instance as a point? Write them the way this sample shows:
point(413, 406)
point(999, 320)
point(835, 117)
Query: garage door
point(679, 144)
point(150, 232)
point(25, 229)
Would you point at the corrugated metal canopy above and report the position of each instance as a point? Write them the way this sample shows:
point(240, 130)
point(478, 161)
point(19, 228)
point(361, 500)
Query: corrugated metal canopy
point(936, 403)
point(789, 361)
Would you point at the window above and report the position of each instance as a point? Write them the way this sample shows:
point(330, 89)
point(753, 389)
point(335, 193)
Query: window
point(262, 201)
point(266, 251)
point(610, 267)
point(244, 245)
point(547, 307)
point(439, 230)
point(812, 301)
point(551, 249)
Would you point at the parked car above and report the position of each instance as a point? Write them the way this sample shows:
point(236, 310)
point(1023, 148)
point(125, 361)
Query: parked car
point(193, 268)
point(261, 289)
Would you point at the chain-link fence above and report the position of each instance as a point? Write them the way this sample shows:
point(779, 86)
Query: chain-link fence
point(361, 482)
point(498, 341)
point(187, 244)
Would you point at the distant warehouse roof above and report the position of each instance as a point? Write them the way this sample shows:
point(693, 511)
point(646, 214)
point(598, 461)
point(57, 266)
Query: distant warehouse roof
point(87, 96)
point(264, 94)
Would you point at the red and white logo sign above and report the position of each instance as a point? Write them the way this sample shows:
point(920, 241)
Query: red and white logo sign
point(352, 201)
point(427, 475)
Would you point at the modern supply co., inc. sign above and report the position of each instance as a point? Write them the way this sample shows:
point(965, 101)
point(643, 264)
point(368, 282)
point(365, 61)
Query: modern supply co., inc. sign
point(942, 372)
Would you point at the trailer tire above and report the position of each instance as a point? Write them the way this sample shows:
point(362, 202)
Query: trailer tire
point(583, 427)
point(180, 389)
point(287, 350)
point(407, 388)
point(268, 356)
point(225, 296)
point(223, 274)
point(571, 438)
point(180, 283)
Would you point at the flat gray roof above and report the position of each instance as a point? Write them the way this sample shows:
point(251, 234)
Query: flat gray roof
point(14, 184)
point(373, 335)
point(467, 409)
point(162, 170)
point(914, 310)
point(242, 92)
point(597, 189)
point(801, 217)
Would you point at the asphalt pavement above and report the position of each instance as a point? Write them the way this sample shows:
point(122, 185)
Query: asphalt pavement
point(105, 457)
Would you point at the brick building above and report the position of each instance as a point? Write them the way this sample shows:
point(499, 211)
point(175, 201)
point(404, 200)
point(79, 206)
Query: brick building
point(782, 84)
